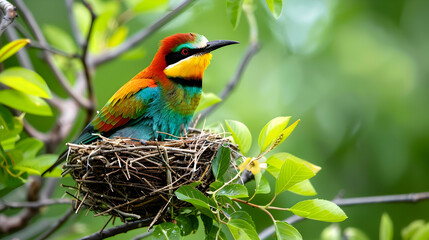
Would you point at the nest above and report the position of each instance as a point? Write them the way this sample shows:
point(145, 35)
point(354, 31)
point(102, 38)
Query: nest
point(127, 179)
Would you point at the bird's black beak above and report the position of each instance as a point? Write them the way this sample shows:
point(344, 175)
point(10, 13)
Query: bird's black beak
point(213, 45)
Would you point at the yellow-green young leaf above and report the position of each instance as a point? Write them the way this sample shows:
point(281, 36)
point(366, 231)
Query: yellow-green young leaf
point(166, 231)
point(318, 209)
point(59, 38)
point(386, 227)
point(25, 81)
point(118, 37)
point(11, 48)
point(332, 232)
point(422, 233)
point(304, 188)
point(275, 162)
point(284, 231)
point(207, 100)
point(286, 133)
point(44, 162)
point(352, 233)
point(240, 134)
point(275, 7)
point(24, 102)
point(241, 229)
point(408, 232)
point(233, 10)
point(84, 19)
point(150, 5)
point(291, 173)
point(271, 131)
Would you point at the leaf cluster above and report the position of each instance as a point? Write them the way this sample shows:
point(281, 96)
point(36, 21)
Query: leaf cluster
point(25, 91)
point(219, 209)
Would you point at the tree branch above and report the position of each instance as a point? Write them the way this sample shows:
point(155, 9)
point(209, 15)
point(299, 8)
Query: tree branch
point(16, 222)
point(9, 14)
point(57, 225)
point(76, 33)
point(119, 229)
point(399, 198)
point(140, 36)
point(38, 204)
point(31, 21)
point(86, 64)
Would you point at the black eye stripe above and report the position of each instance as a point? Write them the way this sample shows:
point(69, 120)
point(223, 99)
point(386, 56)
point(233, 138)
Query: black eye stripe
point(174, 57)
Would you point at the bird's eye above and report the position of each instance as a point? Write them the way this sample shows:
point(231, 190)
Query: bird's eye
point(185, 51)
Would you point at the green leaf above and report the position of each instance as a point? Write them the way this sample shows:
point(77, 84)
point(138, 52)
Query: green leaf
point(6, 121)
point(240, 134)
point(275, 7)
point(291, 173)
point(25, 81)
point(422, 233)
point(166, 231)
point(262, 185)
point(276, 161)
point(271, 131)
point(221, 162)
point(408, 232)
point(332, 232)
point(284, 231)
point(234, 191)
point(207, 222)
point(11, 48)
point(352, 233)
point(213, 234)
point(240, 229)
point(30, 147)
point(59, 38)
point(207, 100)
point(244, 216)
point(304, 188)
point(187, 224)
point(386, 227)
point(12, 135)
point(318, 209)
point(233, 10)
point(24, 102)
point(196, 198)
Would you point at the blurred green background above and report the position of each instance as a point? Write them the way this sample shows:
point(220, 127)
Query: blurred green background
point(355, 72)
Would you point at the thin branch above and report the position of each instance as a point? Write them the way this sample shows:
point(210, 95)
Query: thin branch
point(34, 27)
point(37, 204)
point(53, 50)
point(57, 224)
point(399, 198)
point(140, 36)
point(86, 64)
point(9, 14)
point(119, 229)
point(73, 23)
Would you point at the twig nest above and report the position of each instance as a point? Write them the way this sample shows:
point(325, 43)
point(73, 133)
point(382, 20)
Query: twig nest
point(125, 178)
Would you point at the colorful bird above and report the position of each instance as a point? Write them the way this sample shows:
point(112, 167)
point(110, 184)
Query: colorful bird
point(160, 99)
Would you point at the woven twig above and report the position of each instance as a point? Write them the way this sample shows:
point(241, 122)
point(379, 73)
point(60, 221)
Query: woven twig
point(127, 179)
